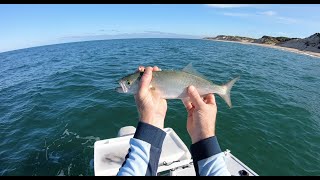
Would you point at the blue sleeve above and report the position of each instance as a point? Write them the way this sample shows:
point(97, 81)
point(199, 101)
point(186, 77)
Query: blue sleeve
point(208, 159)
point(144, 152)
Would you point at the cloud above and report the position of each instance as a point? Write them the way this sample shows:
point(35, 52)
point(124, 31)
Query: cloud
point(228, 5)
point(286, 20)
point(279, 19)
point(110, 30)
point(236, 14)
point(265, 13)
point(269, 13)
point(156, 32)
point(145, 34)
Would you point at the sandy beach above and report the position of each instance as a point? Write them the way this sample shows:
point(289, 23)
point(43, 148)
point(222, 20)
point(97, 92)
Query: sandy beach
point(309, 53)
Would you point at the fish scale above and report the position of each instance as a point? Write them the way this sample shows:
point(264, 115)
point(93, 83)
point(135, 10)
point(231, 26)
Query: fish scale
point(172, 84)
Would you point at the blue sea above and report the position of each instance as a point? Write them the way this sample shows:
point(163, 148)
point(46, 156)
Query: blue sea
point(57, 100)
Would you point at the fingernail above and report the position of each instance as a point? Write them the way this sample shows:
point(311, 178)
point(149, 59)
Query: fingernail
point(149, 71)
point(191, 88)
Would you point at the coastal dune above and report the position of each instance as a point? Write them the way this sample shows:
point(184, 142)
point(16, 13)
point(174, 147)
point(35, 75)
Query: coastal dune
point(308, 46)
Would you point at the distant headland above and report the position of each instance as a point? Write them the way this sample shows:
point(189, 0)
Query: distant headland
point(309, 46)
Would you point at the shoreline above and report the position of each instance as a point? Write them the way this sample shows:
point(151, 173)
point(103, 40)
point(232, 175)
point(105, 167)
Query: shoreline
point(308, 53)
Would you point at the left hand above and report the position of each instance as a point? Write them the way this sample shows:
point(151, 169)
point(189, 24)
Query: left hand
point(202, 112)
point(152, 109)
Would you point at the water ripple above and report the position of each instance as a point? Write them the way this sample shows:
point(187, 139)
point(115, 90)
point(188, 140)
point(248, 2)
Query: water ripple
point(57, 100)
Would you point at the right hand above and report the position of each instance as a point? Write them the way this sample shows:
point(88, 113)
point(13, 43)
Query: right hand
point(202, 113)
point(151, 107)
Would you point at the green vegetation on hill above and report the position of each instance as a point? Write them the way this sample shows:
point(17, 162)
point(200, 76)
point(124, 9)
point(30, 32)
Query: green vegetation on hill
point(311, 43)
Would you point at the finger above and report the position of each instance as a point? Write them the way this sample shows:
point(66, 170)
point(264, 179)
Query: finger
point(190, 119)
point(187, 104)
point(145, 80)
point(190, 114)
point(210, 99)
point(141, 68)
point(194, 96)
point(205, 101)
point(156, 68)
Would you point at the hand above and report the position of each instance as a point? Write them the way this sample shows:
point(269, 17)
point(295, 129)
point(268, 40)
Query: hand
point(152, 109)
point(201, 115)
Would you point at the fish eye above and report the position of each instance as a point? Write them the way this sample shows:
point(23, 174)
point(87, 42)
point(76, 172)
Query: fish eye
point(128, 82)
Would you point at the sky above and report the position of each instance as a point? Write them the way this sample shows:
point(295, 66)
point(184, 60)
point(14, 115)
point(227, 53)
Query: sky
point(30, 25)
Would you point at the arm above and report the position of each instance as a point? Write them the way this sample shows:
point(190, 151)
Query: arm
point(208, 159)
point(145, 146)
point(207, 156)
point(144, 152)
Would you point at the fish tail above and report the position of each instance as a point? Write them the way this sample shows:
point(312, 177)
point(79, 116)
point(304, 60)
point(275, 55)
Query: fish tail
point(227, 87)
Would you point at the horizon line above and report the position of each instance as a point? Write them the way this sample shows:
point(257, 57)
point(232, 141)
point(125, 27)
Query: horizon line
point(37, 46)
point(115, 38)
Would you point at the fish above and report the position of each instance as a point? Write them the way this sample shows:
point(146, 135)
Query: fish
point(172, 84)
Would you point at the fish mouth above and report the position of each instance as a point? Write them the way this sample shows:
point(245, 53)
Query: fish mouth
point(123, 88)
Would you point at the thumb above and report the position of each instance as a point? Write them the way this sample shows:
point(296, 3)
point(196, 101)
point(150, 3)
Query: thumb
point(145, 81)
point(194, 96)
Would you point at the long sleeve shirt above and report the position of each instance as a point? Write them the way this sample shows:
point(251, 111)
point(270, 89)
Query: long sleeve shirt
point(145, 150)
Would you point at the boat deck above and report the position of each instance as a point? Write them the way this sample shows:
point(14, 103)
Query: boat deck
point(175, 159)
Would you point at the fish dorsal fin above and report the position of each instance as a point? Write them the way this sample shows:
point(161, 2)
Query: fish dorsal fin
point(189, 69)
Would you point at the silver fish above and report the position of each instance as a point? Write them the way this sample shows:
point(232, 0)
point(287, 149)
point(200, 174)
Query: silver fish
point(172, 84)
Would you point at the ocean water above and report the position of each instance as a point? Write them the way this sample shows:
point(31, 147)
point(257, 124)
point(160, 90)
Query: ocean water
point(56, 101)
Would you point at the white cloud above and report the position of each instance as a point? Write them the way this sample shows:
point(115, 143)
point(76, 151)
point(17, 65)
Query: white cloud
point(286, 20)
point(279, 19)
point(228, 5)
point(269, 13)
point(272, 14)
point(145, 34)
point(236, 14)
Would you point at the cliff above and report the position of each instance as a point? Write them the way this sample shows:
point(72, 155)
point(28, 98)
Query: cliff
point(311, 43)
point(273, 40)
point(231, 38)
